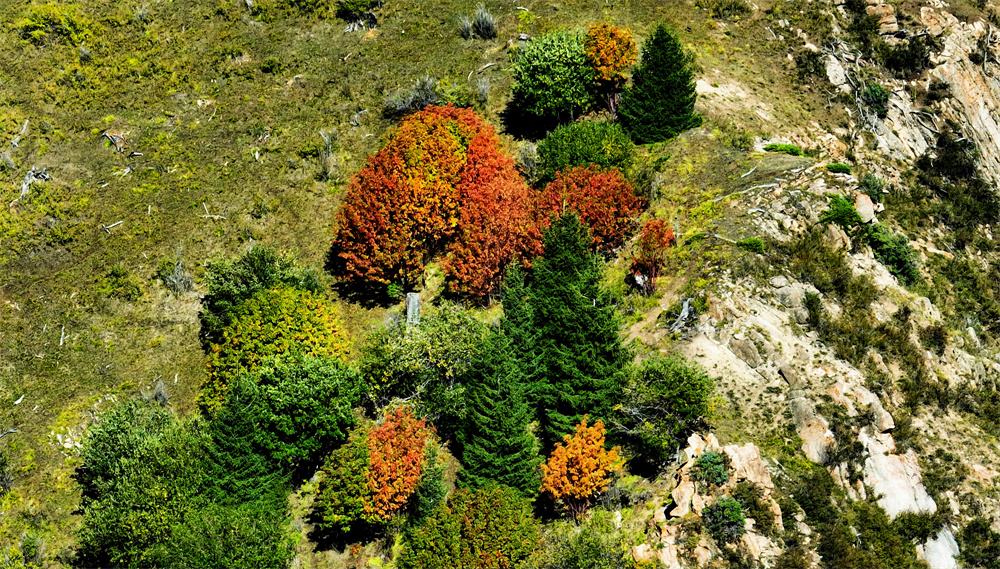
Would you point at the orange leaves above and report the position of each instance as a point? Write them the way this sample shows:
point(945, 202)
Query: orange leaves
point(441, 182)
point(578, 467)
point(603, 199)
point(655, 238)
point(495, 224)
point(610, 52)
point(396, 456)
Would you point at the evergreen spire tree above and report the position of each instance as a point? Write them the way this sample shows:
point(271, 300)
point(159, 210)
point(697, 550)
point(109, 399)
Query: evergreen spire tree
point(581, 359)
point(518, 326)
point(495, 442)
point(660, 103)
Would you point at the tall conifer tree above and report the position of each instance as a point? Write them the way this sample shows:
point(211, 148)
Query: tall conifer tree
point(660, 103)
point(495, 441)
point(580, 356)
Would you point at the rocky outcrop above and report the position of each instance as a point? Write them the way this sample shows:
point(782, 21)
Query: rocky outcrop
point(895, 478)
point(940, 551)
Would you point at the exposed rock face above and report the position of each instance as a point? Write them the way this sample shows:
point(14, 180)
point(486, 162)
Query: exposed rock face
point(835, 72)
point(941, 550)
point(886, 18)
point(896, 478)
point(865, 207)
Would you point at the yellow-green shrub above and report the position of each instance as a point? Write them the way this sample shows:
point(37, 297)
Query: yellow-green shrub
point(274, 322)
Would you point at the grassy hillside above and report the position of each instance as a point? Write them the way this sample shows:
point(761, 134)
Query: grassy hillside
point(223, 107)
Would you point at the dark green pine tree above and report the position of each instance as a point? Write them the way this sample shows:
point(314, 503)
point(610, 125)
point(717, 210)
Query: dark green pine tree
point(240, 472)
point(581, 359)
point(518, 326)
point(660, 103)
point(494, 440)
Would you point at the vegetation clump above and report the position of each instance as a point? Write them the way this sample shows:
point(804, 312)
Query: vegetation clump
point(603, 144)
point(789, 149)
point(488, 528)
point(659, 104)
point(724, 520)
point(838, 168)
point(440, 184)
point(279, 322)
point(610, 51)
point(552, 79)
point(712, 467)
point(579, 467)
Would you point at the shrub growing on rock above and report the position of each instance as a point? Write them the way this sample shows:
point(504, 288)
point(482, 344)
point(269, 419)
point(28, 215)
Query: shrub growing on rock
point(724, 520)
point(712, 467)
point(666, 400)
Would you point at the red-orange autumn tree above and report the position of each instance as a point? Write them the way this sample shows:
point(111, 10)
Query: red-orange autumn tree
point(655, 238)
point(374, 475)
point(610, 51)
point(579, 467)
point(440, 184)
point(603, 199)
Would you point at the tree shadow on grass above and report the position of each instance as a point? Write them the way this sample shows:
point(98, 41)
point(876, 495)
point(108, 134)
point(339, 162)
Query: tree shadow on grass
point(523, 125)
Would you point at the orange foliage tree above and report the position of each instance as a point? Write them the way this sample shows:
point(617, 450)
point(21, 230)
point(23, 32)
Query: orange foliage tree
point(610, 51)
point(396, 458)
point(603, 199)
point(655, 238)
point(579, 467)
point(374, 475)
point(440, 183)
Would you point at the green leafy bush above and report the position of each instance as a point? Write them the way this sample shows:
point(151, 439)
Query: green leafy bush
point(789, 149)
point(552, 78)
point(751, 245)
point(838, 168)
point(232, 282)
point(712, 467)
point(659, 104)
point(491, 527)
point(598, 543)
point(666, 399)
point(424, 361)
point(895, 252)
point(140, 475)
point(301, 408)
point(247, 536)
point(278, 322)
point(121, 284)
point(724, 520)
point(876, 97)
point(841, 212)
point(602, 143)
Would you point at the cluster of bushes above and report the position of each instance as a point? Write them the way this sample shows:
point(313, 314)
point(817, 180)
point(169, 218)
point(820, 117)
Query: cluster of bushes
point(893, 251)
point(280, 402)
point(562, 75)
point(904, 59)
point(441, 185)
